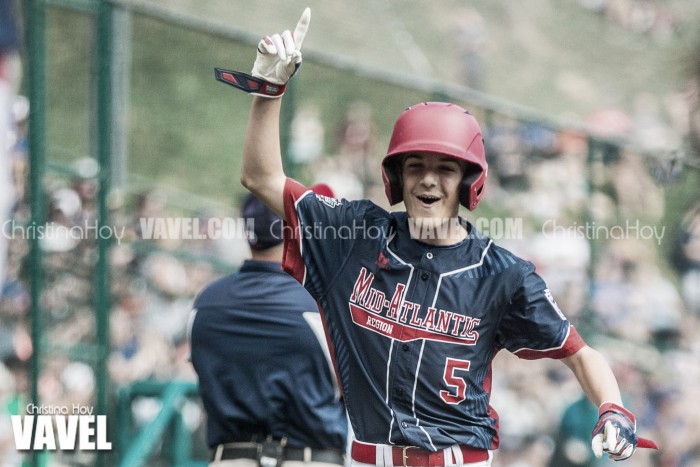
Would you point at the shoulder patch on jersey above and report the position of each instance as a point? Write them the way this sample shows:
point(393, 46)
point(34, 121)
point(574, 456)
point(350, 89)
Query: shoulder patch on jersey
point(550, 298)
point(382, 261)
point(328, 201)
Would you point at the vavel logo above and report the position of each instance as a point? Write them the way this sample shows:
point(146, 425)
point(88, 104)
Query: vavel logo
point(60, 428)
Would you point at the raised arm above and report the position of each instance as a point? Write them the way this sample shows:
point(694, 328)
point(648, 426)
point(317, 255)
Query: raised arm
point(278, 58)
point(261, 171)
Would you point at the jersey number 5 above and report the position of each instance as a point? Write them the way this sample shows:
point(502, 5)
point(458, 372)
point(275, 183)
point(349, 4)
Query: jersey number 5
point(457, 384)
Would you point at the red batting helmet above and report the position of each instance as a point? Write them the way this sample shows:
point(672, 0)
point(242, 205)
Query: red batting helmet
point(442, 128)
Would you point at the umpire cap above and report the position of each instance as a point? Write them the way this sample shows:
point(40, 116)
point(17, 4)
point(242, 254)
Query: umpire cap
point(263, 225)
point(267, 227)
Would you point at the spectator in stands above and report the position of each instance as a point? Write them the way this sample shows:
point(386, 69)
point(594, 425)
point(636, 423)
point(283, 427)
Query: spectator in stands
point(307, 137)
point(8, 399)
point(10, 75)
point(137, 351)
point(688, 247)
point(472, 40)
point(687, 258)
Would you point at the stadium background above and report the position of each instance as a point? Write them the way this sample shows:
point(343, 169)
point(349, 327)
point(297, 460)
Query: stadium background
point(585, 107)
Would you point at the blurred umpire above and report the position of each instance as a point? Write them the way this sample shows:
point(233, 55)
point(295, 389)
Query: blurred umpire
point(265, 376)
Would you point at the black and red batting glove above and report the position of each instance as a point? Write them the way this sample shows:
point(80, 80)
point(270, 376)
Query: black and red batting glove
point(616, 433)
point(249, 83)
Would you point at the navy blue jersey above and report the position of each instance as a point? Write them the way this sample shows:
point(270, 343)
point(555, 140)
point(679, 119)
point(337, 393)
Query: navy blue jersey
point(414, 327)
point(261, 366)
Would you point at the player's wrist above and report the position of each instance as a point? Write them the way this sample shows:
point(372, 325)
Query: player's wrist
point(251, 84)
point(612, 407)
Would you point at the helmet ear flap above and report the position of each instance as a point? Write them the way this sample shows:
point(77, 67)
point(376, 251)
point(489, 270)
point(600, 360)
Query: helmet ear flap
point(391, 173)
point(472, 186)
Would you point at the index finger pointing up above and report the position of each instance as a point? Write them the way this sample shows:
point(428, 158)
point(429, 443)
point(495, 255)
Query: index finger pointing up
point(302, 27)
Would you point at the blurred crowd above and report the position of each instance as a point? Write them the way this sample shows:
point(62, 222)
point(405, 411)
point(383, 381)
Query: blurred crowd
point(654, 18)
point(591, 221)
point(152, 285)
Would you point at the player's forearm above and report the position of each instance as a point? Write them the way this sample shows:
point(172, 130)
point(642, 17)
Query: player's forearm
point(595, 376)
point(261, 170)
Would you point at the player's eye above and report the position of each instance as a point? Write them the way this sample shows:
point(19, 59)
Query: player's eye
point(413, 165)
point(448, 168)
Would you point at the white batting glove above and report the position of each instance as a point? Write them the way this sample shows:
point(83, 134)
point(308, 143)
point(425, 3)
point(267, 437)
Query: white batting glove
point(278, 58)
point(615, 433)
point(279, 55)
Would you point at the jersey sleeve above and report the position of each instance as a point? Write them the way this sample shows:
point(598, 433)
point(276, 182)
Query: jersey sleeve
point(534, 327)
point(319, 234)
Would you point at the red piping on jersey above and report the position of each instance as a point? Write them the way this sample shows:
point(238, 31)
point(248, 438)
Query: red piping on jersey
point(572, 344)
point(492, 412)
point(292, 261)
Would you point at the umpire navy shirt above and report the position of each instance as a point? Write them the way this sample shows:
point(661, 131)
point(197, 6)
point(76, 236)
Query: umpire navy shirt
point(262, 369)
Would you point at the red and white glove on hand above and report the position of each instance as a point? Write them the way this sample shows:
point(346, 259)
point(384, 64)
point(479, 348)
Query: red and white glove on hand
point(279, 55)
point(615, 433)
point(278, 58)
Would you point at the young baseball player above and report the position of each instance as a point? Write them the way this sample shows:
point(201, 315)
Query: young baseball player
point(416, 304)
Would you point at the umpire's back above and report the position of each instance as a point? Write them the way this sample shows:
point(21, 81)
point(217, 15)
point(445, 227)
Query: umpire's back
point(265, 378)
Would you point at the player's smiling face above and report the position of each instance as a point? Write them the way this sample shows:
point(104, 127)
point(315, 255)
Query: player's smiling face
point(431, 185)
